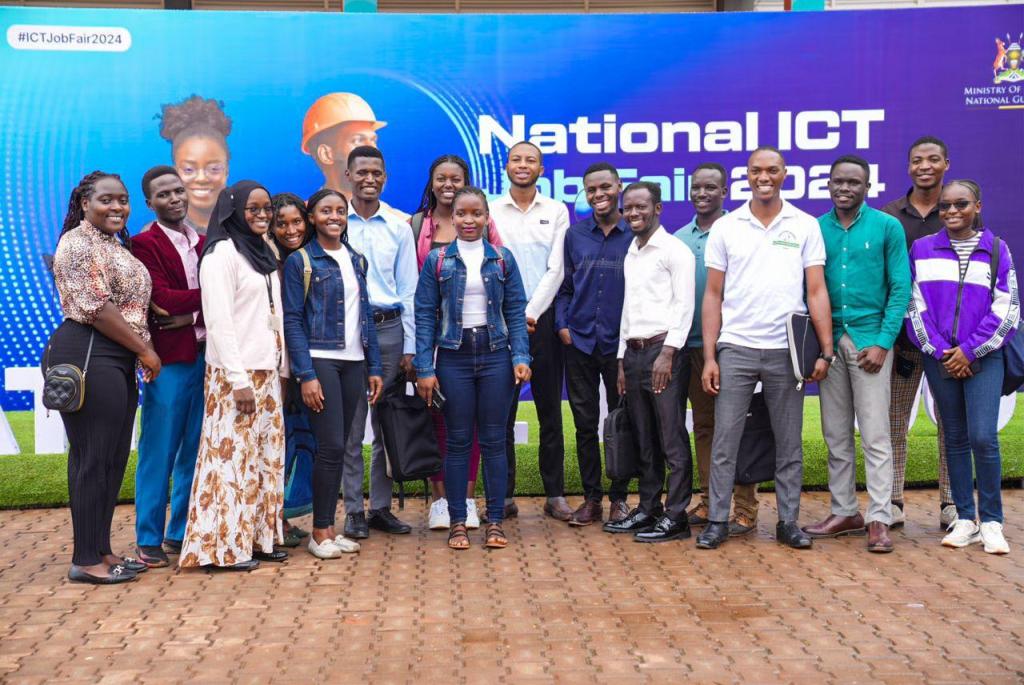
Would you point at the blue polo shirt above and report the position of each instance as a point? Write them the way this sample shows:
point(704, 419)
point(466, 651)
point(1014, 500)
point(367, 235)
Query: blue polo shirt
point(589, 301)
point(696, 240)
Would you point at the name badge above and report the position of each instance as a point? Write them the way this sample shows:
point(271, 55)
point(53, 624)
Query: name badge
point(274, 322)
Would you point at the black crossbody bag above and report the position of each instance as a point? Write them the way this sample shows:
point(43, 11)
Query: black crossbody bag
point(64, 384)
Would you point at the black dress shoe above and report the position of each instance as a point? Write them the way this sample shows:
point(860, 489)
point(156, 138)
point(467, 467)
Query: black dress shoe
point(355, 526)
point(116, 574)
point(242, 566)
point(636, 522)
point(276, 555)
point(664, 530)
point(789, 533)
point(713, 535)
point(383, 519)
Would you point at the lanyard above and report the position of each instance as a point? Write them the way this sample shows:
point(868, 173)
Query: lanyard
point(270, 294)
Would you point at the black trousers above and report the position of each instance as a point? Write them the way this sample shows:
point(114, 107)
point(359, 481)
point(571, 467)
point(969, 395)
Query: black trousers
point(99, 434)
point(660, 427)
point(583, 375)
point(546, 385)
point(344, 387)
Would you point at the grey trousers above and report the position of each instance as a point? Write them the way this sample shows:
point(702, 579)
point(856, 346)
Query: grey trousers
point(850, 390)
point(390, 337)
point(740, 368)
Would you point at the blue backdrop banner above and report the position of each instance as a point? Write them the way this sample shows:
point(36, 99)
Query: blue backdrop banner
point(654, 94)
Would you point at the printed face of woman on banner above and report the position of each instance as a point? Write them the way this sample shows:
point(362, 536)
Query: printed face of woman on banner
point(202, 163)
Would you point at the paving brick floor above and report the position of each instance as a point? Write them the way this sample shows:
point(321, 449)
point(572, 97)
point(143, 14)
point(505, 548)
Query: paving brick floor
point(559, 605)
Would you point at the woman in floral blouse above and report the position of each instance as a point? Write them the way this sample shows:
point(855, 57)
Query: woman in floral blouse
point(104, 292)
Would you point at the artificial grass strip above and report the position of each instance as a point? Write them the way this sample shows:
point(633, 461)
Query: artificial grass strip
point(40, 480)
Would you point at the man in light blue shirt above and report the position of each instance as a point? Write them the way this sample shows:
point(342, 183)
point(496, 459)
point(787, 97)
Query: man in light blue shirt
point(387, 244)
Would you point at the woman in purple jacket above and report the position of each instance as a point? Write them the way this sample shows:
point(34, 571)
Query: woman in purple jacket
point(961, 317)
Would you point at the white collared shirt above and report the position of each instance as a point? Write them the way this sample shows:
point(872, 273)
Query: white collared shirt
point(184, 244)
point(764, 272)
point(660, 283)
point(536, 238)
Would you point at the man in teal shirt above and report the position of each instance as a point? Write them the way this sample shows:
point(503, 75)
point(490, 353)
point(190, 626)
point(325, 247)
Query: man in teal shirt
point(708, 187)
point(868, 277)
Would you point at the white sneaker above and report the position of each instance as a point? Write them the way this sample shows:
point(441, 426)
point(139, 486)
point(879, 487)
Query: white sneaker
point(345, 545)
point(472, 516)
point(328, 549)
point(992, 536)
point(898, 517)
point(947, 516)
point(962, 533)
point(439, 515)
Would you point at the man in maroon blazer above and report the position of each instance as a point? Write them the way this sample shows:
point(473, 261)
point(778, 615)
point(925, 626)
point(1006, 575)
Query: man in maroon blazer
point(172, 405)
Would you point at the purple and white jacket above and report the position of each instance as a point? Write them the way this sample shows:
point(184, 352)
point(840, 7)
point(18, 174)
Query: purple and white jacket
point(947, 308)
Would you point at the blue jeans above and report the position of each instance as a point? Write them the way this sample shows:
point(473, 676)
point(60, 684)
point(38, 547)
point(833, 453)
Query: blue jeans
point(172, 420)
point(477, 384)
point(970, 418)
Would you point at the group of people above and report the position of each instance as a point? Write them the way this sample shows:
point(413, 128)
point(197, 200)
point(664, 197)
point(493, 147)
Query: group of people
point(288, 316)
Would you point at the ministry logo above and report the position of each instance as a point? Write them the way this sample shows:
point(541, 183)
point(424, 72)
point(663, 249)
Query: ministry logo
point(1007, 89)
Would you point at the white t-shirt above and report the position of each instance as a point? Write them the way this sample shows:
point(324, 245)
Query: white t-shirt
point(353, 336)
point(474, 301)
point(764, 272)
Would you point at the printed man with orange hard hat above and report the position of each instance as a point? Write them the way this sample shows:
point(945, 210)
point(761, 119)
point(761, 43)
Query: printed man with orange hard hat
point(334, 125)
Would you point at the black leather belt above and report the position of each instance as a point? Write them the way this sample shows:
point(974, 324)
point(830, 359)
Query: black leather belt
point(641, 343)
point(382, 315)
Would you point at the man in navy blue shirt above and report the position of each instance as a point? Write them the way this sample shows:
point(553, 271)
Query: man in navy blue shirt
point(588, 312)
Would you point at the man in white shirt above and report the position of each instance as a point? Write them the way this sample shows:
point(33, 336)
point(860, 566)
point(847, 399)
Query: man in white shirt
point(533, 227)
point(387, 244)
point(656, 315)
point(760, 258)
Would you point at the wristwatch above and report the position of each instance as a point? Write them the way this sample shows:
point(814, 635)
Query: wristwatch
point(831, 360)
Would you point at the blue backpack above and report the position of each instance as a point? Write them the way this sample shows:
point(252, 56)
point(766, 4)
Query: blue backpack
point(1013, 348)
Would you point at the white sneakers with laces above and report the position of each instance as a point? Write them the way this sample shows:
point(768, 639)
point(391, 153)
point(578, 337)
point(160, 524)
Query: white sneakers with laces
point(947, 516)
point(992, 537)
point(962, 533)
point(439, 519)
point(472, 515)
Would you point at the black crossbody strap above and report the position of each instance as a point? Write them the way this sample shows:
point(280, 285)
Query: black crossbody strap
point(88, 353)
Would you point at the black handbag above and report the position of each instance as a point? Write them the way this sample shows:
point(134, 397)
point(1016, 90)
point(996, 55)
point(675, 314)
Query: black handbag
point(64, 384)
point(755, 462)
point(407, 431)
point(620, 446)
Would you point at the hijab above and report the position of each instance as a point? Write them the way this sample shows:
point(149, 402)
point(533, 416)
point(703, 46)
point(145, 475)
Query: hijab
point(228, 223)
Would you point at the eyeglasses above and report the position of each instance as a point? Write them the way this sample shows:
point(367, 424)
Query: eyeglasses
point(256, 211)
point(960, 205)
point(212, 171)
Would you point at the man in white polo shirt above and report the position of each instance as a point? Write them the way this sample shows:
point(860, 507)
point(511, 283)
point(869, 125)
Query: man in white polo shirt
point(533, 227)
point(760, 259)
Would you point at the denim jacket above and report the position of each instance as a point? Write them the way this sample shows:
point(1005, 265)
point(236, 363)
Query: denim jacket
point(438, 306)
point(317, 320)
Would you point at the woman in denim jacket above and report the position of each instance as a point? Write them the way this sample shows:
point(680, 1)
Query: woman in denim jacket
point(471, 307)
point(332, 344)
point(961, 316)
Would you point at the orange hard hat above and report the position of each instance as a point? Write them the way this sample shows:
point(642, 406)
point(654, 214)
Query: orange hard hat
point(333, 109)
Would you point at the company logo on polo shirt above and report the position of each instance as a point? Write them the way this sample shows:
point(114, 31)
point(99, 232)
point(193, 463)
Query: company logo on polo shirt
point(1007, 85)
point(786, 239)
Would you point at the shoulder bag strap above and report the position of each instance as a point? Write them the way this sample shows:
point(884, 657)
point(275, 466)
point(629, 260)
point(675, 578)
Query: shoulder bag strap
point(88, 353)
point(307, 272)
point(417, 225)
point(994, 268)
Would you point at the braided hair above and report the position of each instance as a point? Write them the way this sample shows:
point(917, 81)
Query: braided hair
point(194, 117)
point(83, 191)
point(314, 200)
point(472, 190)
point(428, 203)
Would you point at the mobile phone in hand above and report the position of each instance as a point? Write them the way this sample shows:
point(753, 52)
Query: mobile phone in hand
point(437, 400)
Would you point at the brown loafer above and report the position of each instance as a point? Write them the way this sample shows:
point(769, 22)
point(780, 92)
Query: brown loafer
point(558, 509)
point(618, 511)
point(878, 538)
point(587, 513)
point(836, 526)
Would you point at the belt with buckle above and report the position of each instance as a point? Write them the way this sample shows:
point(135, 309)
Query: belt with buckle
point(382, 315)
point(641, 343)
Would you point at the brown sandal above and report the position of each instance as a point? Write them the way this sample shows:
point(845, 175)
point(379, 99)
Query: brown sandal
point(495, 537)
point(458, 537)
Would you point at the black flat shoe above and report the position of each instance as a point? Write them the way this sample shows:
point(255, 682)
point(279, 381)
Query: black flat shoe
point(356, 527)
point(152, 556)
point(713, 535)
point(789, 533)
point(664, 530)
point(134, 565)
point(172, 546)
point(116, 574)
point(636, 522)
point(277, 555)
point(383, 519)
point(242, 566)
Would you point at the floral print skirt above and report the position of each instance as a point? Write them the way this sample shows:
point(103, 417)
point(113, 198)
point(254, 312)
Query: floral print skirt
point(238, 489)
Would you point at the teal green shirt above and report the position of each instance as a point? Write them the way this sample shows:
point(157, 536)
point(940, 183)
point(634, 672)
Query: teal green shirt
point(696, 240)
point(867, 272)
